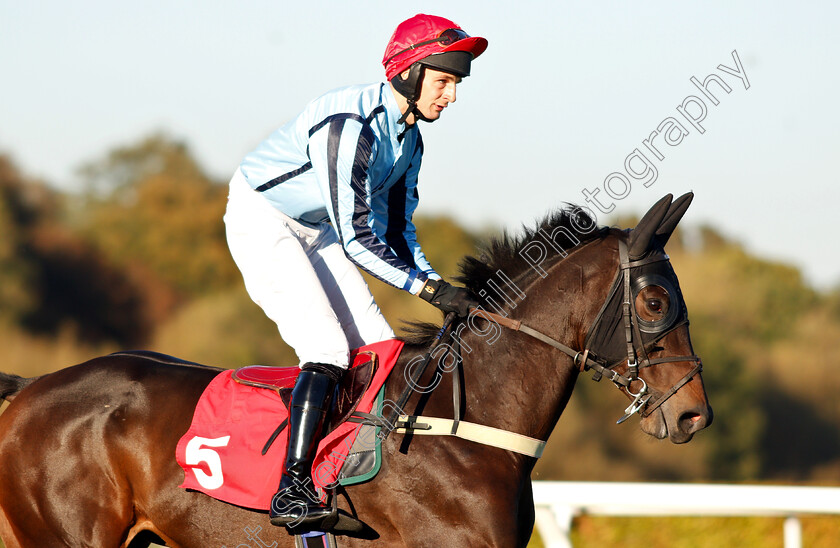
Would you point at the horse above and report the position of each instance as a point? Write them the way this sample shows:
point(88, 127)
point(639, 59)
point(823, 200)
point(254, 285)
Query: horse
point(87, 452)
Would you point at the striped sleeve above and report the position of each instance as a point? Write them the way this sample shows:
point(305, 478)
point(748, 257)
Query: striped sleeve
point(341, 150)
point(402, 201)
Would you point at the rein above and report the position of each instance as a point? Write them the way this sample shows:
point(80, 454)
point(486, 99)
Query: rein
point(582, 359)
point(641, 399)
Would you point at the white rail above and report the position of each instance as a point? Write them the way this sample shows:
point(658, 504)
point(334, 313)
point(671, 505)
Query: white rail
point(558, 502)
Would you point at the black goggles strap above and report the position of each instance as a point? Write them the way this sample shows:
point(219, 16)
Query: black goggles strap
point(449, 36)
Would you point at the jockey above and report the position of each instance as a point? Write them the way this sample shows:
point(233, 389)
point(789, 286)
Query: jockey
point(332, 190)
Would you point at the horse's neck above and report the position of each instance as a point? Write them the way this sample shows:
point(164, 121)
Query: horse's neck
point(518, 383)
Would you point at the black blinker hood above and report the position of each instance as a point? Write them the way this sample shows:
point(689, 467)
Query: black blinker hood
point(606, 338)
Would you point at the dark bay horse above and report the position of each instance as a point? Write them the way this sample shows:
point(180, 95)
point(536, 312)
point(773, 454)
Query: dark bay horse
point(87, 452)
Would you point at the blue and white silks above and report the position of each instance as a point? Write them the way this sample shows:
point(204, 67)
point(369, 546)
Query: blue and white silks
point(345, 160)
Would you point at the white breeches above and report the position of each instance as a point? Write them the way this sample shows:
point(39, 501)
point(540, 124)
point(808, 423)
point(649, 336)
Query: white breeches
point(301, 278)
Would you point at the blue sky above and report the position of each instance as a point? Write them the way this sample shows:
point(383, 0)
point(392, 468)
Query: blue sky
point(564, 94)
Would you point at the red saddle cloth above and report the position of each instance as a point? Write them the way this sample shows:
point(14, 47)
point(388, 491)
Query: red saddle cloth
point(221, 453)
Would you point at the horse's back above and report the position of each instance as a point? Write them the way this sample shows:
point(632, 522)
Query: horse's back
point(108, 389)
point(81, 448)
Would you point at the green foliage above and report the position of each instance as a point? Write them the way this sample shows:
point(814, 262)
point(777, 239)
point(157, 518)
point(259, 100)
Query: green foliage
point(16, 297)
point(745, 312)
point(739, 422)
point(833, 303)
point(122, 171)
point(769, 296)
point(445, 243)
point(225, 329)
point(152, 211)
point(50, 279)
point(16, 292)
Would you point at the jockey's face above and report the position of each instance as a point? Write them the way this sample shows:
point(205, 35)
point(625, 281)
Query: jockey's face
point(436, 92)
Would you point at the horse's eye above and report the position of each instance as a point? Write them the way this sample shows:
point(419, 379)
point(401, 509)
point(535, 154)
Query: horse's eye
point(652, 303)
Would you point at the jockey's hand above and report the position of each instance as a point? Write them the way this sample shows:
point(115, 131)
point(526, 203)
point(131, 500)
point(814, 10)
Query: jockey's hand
point(448, 298)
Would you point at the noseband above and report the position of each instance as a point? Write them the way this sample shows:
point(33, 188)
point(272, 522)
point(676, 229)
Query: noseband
point(589, 357)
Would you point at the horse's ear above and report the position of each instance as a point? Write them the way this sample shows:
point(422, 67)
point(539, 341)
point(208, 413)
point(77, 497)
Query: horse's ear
point(644, 232)
point(672, 218)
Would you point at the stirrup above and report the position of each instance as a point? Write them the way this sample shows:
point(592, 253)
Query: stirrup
point(295, 505)
point(337, 522)
point(308, 518)
point(333, 520)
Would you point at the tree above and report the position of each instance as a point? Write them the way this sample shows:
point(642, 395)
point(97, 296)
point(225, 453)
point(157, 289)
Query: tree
point(153, 211)
point(16, 293)
point(50, 279)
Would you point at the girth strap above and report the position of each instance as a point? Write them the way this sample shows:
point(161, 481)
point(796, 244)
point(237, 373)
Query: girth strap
point(486, 435)
point(435, 426)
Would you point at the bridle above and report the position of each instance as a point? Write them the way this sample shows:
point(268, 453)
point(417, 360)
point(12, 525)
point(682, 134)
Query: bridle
point(588, 358)
point(585, 359)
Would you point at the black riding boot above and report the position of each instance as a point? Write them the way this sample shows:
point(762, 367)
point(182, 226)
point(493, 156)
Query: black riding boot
point(296, 503)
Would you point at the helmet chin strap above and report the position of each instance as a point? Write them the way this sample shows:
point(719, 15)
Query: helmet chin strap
point(410, 88)
point(412, 108)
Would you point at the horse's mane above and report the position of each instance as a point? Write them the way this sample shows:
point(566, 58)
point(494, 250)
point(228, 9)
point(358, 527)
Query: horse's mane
point(568, 227)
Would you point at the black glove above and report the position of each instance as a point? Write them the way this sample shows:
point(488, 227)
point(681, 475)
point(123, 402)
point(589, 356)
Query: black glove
point(448, 297)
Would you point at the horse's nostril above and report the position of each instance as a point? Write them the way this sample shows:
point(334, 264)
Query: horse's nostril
point(692, 422)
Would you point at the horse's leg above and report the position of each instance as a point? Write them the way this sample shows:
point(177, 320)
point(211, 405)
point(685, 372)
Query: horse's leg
point(527, 515)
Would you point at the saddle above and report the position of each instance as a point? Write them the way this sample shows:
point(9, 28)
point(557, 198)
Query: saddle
point(226, 447)
point(281, 380)
point(353, 385)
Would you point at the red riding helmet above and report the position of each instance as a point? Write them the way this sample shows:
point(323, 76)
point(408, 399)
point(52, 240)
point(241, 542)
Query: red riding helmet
point(426, 35)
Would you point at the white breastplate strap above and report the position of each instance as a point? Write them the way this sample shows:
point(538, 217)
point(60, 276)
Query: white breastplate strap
point(486, 435)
